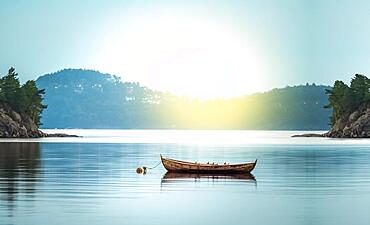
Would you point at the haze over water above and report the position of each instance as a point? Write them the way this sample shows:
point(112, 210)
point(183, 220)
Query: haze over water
point(92, 180)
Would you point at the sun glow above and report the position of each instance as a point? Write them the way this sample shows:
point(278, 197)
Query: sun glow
point(184, 55)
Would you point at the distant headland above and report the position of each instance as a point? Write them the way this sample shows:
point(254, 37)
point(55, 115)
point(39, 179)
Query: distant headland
point(88, 99)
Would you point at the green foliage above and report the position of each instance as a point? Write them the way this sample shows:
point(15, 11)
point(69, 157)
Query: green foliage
point(360, 86)
point(345, 99)
point(2, 94)
point(10, 88)
point(26, 99)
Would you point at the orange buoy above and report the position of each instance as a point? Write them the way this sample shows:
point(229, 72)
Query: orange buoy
point(141, 170)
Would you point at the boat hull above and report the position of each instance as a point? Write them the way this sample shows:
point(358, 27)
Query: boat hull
point(173, 165)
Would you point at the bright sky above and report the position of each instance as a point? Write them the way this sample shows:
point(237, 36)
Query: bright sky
point(198, 48)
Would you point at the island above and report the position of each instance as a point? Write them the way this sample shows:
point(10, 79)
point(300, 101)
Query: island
point(20, 108)
point(351, 109)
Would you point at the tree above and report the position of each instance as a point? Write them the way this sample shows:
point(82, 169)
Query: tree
point(360, 85)
point(10, 88)
point(2, 94)
point(31, 102)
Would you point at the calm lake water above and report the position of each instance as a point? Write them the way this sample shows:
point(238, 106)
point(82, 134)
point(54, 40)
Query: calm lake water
point(92, 180)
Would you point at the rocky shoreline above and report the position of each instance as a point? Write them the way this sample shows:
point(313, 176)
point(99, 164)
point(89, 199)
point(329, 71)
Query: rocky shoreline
point(354, 124)
point(309, 135)
point(16, 125)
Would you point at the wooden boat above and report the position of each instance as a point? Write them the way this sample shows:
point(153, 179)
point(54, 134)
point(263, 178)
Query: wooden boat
point(173, 165)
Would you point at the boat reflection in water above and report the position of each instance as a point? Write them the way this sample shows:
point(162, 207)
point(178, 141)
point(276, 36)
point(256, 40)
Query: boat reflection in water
point(183, 180)
point(176, 176)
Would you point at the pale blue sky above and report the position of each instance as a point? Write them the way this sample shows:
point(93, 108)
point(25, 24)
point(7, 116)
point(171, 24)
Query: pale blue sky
point(233, 47)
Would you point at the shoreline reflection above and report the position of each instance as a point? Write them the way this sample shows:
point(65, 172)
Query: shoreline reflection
point(19, 172)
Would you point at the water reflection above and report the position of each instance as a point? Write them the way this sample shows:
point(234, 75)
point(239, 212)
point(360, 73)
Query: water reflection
point(19, 172)
point(172, 177)
point(96, 184)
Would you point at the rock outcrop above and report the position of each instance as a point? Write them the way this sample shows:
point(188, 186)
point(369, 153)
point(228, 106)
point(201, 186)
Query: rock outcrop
point(352, 125)
point(16, 125)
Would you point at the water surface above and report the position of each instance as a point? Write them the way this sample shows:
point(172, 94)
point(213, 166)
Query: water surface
point(92, 180)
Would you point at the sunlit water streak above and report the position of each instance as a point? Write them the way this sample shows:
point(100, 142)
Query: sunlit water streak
point(92, 180)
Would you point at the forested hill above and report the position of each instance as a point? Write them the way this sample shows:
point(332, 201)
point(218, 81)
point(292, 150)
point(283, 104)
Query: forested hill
point(79, 98)
point(89, 99)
